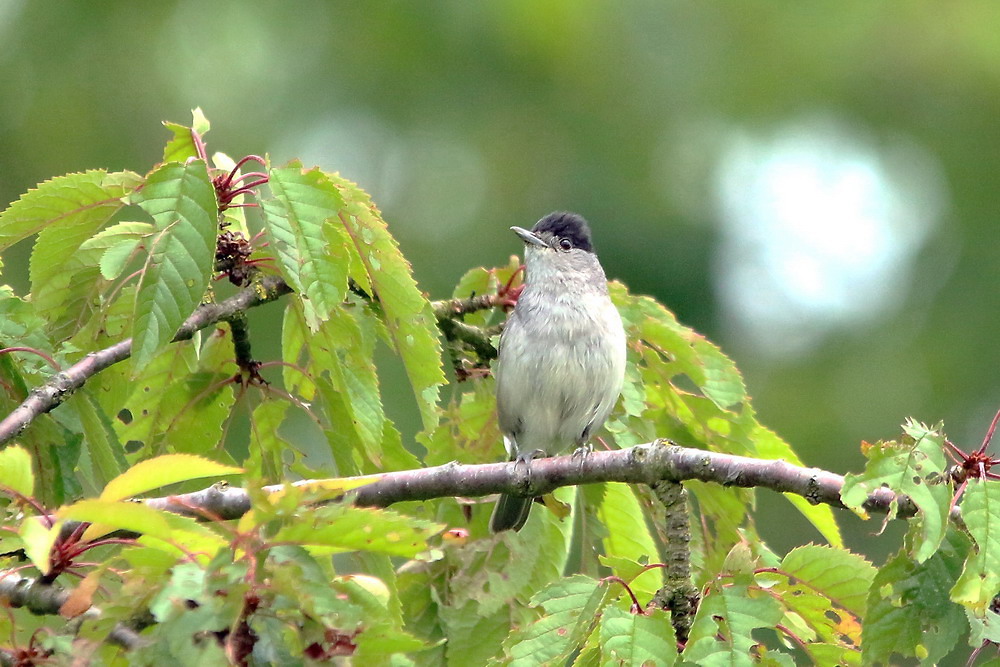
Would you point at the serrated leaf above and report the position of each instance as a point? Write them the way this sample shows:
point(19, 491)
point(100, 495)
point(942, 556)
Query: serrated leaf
point(182, 145)
point(361, 529)
point(980, 580)
point(723, 628)
point(340, 351)
point(67, 200)
point(636, 640)
point(408, 315)
point(181, 200)
point(162, 471)
point(298, 220)
point(691, 353)
point(65, 211)
point(824, 591)
point(915, 467)
point(571, 607)
point(15, 470)
point(839, 575)
point(908, 613)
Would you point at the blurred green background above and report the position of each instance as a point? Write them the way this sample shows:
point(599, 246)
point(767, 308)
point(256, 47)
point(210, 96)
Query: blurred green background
point(811, 185)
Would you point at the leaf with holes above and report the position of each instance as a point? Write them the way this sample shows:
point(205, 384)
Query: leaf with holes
point(915, 466)
point(181, 200)
point(907, 610)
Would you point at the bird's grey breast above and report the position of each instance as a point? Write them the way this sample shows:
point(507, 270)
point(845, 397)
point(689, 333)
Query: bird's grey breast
point(562, 359)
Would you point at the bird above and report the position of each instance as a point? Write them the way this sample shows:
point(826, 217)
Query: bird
point(561, 357)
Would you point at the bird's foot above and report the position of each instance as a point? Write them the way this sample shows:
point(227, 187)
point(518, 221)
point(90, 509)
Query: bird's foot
point(583, 451)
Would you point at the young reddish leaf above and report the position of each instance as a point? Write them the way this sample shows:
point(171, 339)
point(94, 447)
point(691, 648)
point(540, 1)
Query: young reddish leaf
point(161, 471)
point(15, 470)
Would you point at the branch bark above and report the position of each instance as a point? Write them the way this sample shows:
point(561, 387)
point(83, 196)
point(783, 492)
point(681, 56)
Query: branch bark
point(47, 599)
point(61, 386)
point(649, 464)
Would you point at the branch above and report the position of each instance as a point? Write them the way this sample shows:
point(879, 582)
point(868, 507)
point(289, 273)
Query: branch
point(47, 396)
point(643, 464)
point(47, 599)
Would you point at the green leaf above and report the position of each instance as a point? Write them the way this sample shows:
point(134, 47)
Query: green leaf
point(161, 471)
point(312, 250)
point(65, 211)
point(99, 438)
point(731, 610)
point(38, 540)
point(770, 446)
point(111, 514)
point(69, 201)
point(169, 385)
point(824, 591)
point(15, 470)
point(408, 315)
point(181, 200)
point(474, 635)
point(637, 639)
point(345, 528)
point(628, 536)
point(980, 580)
point(571, 607)
point(916, 467)
point(908, 610)
point(341, 351)
point(691, 353)
point(182, 146)
point(840, 576)
point(112, 247)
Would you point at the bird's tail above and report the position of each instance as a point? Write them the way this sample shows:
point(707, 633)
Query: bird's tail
point(510, 513)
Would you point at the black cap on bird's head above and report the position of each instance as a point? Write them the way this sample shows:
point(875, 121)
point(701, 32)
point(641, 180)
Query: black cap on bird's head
point(560, 231)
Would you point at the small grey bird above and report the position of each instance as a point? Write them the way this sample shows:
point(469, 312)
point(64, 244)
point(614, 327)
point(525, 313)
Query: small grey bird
point(562, 353)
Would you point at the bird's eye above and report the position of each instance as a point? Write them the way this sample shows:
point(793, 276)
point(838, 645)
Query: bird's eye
point(565, 244)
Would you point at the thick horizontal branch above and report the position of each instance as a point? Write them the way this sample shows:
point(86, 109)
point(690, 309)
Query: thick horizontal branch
point(642, 464)
point(47, 396)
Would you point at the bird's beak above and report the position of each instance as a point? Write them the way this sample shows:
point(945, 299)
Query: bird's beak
point(528, 237)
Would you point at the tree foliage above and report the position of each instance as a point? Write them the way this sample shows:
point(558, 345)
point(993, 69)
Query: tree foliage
point(122, 262)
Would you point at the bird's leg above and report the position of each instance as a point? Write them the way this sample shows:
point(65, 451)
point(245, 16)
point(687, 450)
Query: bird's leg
point(583, 451)
point(526, 458)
